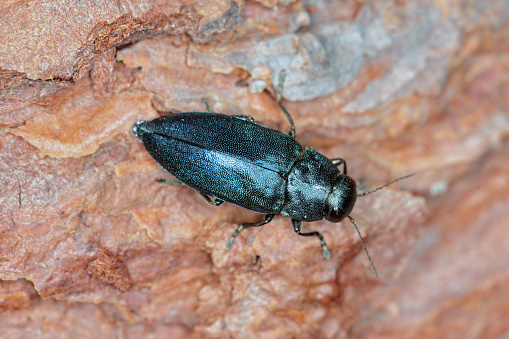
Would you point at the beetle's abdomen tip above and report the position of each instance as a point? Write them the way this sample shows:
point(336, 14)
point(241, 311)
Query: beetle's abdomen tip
point(138, 128)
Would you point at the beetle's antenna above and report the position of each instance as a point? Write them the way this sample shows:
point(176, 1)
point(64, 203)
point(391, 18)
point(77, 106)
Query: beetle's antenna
point(387, 184)
point(278, 96)
point(363, 245)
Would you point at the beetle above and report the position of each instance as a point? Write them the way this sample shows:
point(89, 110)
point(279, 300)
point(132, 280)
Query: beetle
point(234, 159)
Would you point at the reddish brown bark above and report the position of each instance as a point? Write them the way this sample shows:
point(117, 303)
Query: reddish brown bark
point(91, 245)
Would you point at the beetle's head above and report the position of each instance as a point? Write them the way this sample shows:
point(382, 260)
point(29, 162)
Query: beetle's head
point(139, 128)
point(341, 200)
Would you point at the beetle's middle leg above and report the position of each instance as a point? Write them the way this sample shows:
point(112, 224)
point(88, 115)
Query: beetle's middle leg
point(337, 162)
point(207, 106)
point(216, 202)
point(296, 227)
point(242, 116)
point(268, 218)
point(245, 117)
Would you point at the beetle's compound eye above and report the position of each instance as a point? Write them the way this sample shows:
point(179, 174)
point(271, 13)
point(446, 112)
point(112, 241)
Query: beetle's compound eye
point(341, 200)
point(138, 128)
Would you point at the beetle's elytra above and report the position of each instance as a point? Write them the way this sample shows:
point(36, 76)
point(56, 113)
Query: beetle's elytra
point(234, 159)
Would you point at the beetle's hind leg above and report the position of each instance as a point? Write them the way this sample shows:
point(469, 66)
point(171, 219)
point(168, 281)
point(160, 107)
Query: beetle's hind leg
point(268, 218)
point(296, 227)
point(169, 182)
point(337, 162)
point(216, 202)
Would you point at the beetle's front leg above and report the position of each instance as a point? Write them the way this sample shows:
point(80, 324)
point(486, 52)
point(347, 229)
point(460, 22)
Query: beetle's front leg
point(296, 227)
point(268, 218)
point(337, 162)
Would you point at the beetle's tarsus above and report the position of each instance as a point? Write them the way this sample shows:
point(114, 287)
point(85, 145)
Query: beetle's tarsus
point(234, 235)
point(282, 76)
point(169, 182)
point(325, 249)
point(326, 252)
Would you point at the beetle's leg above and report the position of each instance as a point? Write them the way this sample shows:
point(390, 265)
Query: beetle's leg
point(268, 218)
point(169, 182)
point(258, 261)
point(207, 105)
point(246, 117)
point(216, 202)
point(291, 132)
point(242, 116)
point(337, 162)
point(296, 227)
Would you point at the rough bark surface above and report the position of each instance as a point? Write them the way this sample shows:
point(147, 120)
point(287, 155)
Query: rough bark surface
point(92, 246)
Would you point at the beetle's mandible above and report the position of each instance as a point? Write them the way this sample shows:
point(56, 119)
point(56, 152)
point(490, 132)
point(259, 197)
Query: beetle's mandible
point(236, 160)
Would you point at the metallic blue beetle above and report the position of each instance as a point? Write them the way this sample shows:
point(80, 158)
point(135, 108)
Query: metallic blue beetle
point(234, 159)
